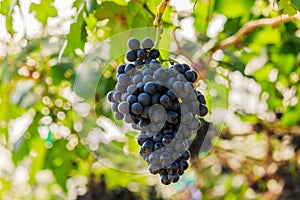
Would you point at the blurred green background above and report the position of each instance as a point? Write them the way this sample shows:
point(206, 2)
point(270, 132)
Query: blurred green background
point(58, 137)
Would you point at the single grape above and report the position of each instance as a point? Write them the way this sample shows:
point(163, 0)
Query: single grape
point(118, 115)
point(142, 54)
point(147, 78)
point(110, 96)
point(154, 158)
point(173, 178)
point(158, 146)
point(190, 76)
point(186, 155)
point(178, 87)
point(136, 108)
point(141, 139)
point(183, 164)
point(148, 146)
point(201, 98)
point(120, 88)
point(164, 179)
point(123, 107)
point(137, 78)
point(155, 98)
point(148, 60)
point(147, 71)
point(179, 68)
point(164, 100)
point(165, 158)
point(153, 168)
point(203, 110)
point(154, 53)
point(130, 69)
point(157, 137)
point(133, 44)
point(131, 98)
point(160, 74)
point(154, 64)
point(114, 106)
point(147, 43)
point(150, 88)
point(131, 89)
point(131, 55)
point(139, 63)
point(121, 69)
point(144, 99)
point(117, 96)
point(124, 79)
point(145, 113)
point(167, 139)
point(171, 94)
point(143, 123)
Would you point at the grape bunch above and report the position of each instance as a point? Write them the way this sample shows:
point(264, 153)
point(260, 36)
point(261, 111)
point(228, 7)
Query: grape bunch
point(160, 102)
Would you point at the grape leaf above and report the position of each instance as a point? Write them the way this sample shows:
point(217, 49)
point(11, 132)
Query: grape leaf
point(287, 7)
point(77, 35)
point(43, 10)
point(296, 4)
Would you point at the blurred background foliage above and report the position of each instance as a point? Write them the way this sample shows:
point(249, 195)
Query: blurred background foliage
point(248, 50)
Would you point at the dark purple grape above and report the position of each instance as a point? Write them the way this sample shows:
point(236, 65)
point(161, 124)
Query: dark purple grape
point(144, 122)
point(153, 168)
point(201, 98)
point(180, 172)
point(110, 96)
point(158, 146)
point(148, 146)
point(133, 44)
point(121, 69)
point(136, 108)
point(131, 98)
point(183, 164)
point(148, 60)
point(164, 179)
point(141, 139)
point(173, 178)
point(167, 139)
point(173, 168)
point(172, 117)
point(131, 55)
point(150, 88)
point(190, 76)
point(157, 137)
point(154, 158)
point(154, 64)
point(142, 54)
point(164, 100)
point(186, 155)
point(203, 110)
point(147, 43)
point(145, 113)
point(144, 99)
point(155, 99)
point(165, 158)
point(130, 69)
point(138, 63)
point(179, 68)
point(154, 53)
point(171, 94)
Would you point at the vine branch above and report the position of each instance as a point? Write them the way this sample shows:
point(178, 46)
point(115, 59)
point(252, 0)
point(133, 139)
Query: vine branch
point(160, 11)
point(252, 25)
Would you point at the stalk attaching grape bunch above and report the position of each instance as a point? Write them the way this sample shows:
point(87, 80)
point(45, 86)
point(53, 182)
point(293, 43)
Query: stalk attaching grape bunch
point(162, 104)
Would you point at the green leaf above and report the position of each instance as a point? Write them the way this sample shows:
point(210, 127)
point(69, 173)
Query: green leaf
point(44, 10)
point(77, 35)
point(296, 4)
point(287, 7)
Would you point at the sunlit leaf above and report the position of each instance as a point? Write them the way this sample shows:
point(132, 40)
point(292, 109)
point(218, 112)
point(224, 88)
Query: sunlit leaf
point(44, 10)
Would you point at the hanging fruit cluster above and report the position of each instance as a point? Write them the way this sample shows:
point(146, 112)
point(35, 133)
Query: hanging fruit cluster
point(161, 103)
